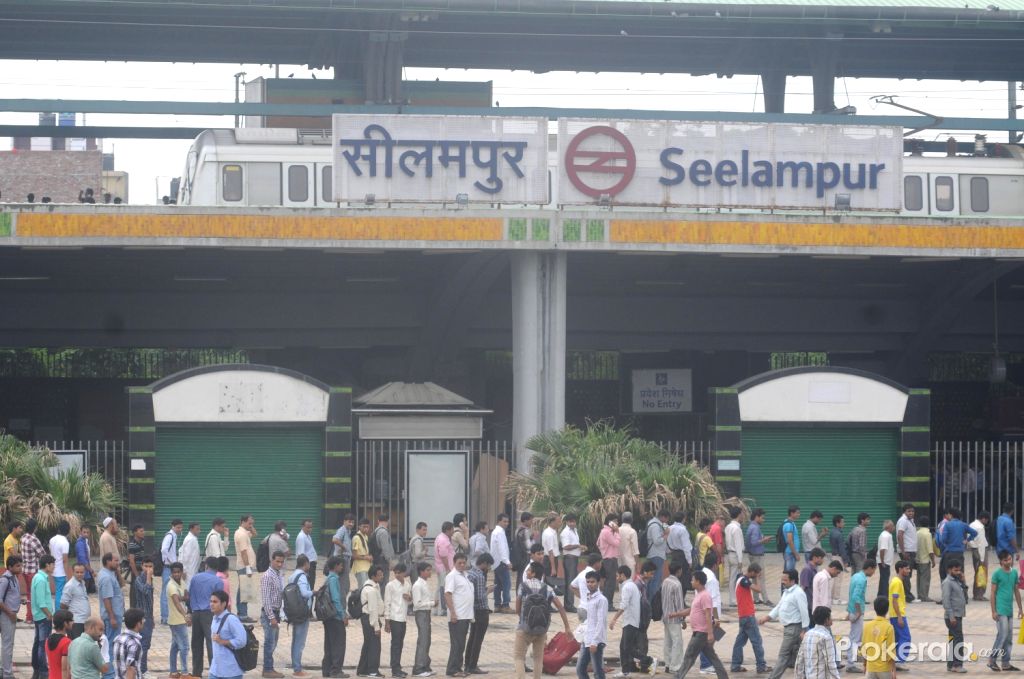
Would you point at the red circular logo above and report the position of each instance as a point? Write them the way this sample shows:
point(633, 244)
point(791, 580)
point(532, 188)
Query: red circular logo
point(591, 161)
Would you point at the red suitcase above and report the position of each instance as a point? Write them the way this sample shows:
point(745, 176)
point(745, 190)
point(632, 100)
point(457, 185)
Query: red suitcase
point(559, 651)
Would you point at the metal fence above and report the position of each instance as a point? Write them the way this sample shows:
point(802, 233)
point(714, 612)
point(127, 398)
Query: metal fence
point(109, 459)
point(698, 452)
point(973, 476)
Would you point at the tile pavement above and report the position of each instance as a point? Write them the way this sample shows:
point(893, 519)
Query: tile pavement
point(925, 619)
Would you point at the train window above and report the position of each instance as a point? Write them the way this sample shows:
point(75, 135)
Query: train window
point(913, 193)
point(231, 181)
point(979, 194)
point(944, 194)
point(326, 181)
point(298, 183)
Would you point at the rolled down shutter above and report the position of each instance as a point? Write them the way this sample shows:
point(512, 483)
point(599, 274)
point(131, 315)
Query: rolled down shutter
point(273, 473)
point(835, 470)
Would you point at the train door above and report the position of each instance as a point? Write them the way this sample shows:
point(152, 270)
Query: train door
point(299, 185)
point(915, 194)
point(325, 185)
point(945, 194)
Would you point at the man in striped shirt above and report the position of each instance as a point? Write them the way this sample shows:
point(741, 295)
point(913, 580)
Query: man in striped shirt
point(817, 656)
point(127, 649)
point(270, 612)
point(31, 550)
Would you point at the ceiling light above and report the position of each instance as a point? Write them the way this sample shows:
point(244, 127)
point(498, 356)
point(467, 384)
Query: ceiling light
point(24, 278)
point(199, 279)
point(371, 279)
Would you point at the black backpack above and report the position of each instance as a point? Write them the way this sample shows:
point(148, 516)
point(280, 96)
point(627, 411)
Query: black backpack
point(295, 607)
point(323, 605)
point(644, 540)
point(355, 604)
point(536, 611)
point(376, 553)
point(780, 537)
point(248, 655)
point(646, 613)
point(263, 556)
point(517, 554)
point(657, 609)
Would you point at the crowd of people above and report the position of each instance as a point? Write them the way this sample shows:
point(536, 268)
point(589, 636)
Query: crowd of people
point(467, 576)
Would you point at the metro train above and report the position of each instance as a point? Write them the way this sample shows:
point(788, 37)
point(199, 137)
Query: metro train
point(292, 168)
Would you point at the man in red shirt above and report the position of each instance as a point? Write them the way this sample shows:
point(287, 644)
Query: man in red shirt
point(57, 646)
point(746, 585)
point(717, 535)
point(700, 613)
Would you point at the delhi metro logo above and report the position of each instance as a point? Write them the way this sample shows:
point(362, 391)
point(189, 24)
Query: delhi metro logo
point(588, 155)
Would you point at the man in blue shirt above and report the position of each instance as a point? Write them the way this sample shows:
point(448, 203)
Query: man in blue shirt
point(304, 546)
point(111, 598)
point(228, 636)
point(953, 538)
point(1006, 532)
point(200, 588)
point(791, 535)
point(343, 548)
point(755, 550)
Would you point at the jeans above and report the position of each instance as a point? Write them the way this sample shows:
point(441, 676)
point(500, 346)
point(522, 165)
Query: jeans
point(397, 644)
point(674, 648)
point(59, 582)
point(270, 634)
point(571, 565)
point(165, 577)
point(299, 632)
point(202, 637)
point(422, 660)
point(43, 629)
point(477, 631)
point(699, 646)
point(7, 644)
point(956, 643)
point(241, 607)
point(334, 648)
point(111, 631)
point(147, 642)
point(748, 630)
point(369, 655)
point(442, 604)
point(788, 650)
point(788, 561)
point(457, 649)
point(652, 587)
point(902, 639)
point(1003, 645)
point(856, 634)
point(361, 579)
point(502, 586)
point(587, 658)
point(345, 580)
point(179, 647)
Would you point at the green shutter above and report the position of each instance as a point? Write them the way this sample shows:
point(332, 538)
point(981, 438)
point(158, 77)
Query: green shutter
point(272, 473)
point(835, 470)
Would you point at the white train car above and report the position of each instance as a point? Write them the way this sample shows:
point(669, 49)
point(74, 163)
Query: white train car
point(292, 168)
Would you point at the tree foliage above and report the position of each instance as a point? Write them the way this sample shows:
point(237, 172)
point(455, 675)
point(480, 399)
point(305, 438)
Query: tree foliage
point(601, 469)
point(32, 486)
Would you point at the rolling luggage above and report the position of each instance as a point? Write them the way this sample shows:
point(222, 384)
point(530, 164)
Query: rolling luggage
point(559, 652)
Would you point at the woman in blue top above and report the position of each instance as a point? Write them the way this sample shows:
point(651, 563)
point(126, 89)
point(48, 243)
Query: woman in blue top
point(334, 628)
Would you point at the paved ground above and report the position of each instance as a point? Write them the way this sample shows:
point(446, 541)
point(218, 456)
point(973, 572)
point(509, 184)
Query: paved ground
point(925, 623)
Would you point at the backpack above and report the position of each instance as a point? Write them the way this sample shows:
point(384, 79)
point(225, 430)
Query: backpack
point(644, 540)
point(263, 556)
point(517, 555)
point(355, 604)
point(248, 655)
point(657, 610)
point(295, 607)
point(536, 612)
point(780, 537)
point(646, 613)
point(376, 552)
point(323, 606)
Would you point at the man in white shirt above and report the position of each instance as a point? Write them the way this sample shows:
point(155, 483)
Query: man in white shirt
point(810, 534)
point(629, 544)
point(571, 552)
point(458, 592)
point(733, 552)
point(595, 631)
point(791, 611)
point(304, 545)
point(549, 541)
point(979, 553)
point(886, 558)
point(169, 555)
point(190, 551)
point(680, 548)
point(216, 540)
point(579, 583)
point(397, 597)
point(502, 566)
point(423, 603)
point(629, 611)
point(821, 586)
point(906, 543)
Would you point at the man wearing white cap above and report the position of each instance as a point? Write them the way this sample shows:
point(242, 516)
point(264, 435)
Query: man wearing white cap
point(108, 539)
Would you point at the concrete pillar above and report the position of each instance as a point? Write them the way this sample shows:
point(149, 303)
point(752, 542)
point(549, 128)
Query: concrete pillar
point(774, 84)
point(538, 347)
point(823, 76)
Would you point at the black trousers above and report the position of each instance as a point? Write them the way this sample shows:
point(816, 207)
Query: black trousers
point(481, 619)
point(883, 580)
point(956, 643)
point(311, 575)
point(457, 632)
point(369, 656)
point(397, 642)
point(77, 629)
point(571, 566)
point(609, 567)
point(627, 648)
point(334, 648)
point(201, 636)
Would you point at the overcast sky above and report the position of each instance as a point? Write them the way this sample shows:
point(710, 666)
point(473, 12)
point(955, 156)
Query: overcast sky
point(151, 163)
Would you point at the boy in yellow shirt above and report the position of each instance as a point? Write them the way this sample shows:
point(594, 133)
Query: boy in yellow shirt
point(898, 616)
point(361, 559)
point(878, 645)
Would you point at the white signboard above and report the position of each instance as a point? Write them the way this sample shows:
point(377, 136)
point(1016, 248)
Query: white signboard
point(706, 164)
point(429, 473)
point(426, 159)
point(663, 391)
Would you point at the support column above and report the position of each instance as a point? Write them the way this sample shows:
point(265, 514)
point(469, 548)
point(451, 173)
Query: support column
point(538, 348)
point(823, 76)
point(774, 84)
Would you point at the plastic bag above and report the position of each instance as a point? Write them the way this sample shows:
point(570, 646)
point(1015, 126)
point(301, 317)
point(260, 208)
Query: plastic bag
point(981, 577)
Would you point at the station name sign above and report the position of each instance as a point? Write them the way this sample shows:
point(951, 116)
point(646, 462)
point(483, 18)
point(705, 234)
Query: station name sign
point(621, 162)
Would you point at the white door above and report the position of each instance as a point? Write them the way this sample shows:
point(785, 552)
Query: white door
point(915, 194)
point(298, 185)
point(325, 185)
point(945, 195)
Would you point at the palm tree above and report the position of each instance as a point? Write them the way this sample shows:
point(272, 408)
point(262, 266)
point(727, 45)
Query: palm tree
point(600, 470)
point(33, 486)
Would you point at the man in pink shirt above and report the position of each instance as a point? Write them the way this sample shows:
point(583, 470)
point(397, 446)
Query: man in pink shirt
point(608, 546)
point(444, 561)
point(701, 617)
